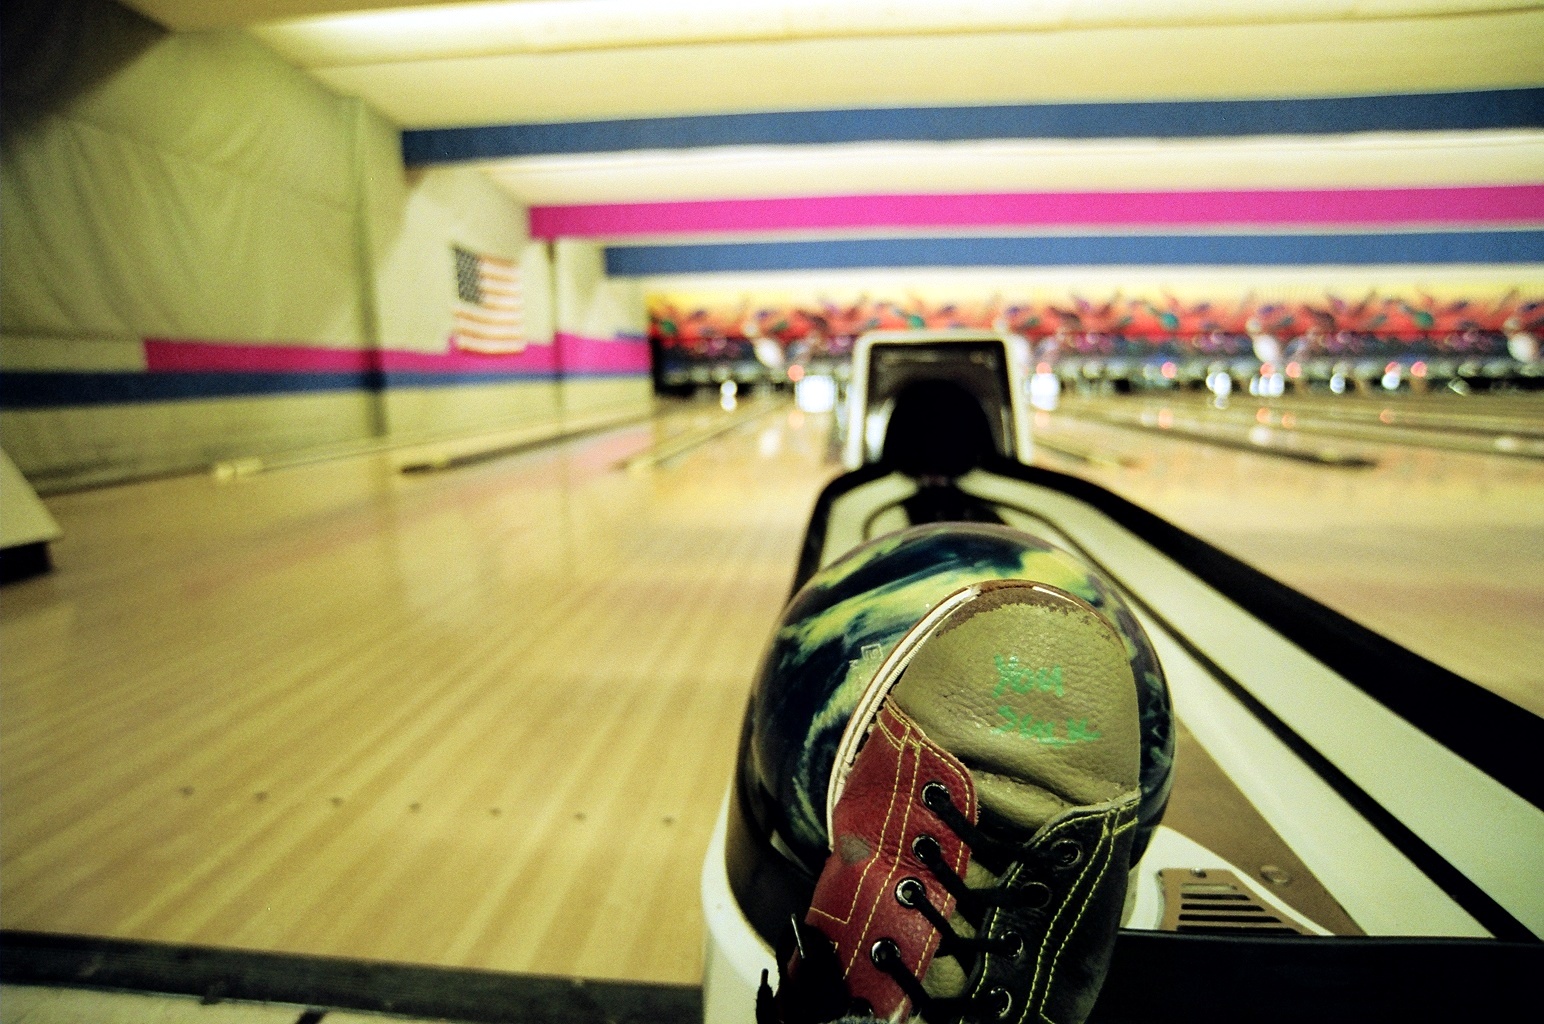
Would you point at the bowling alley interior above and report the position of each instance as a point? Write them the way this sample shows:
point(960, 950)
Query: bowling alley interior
point(421, 419)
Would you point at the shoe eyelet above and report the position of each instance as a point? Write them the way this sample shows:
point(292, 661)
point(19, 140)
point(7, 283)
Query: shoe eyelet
point(927, 849)
point(1065, 853)
point(935, 796)
point(998, 1002)
point(1037, 895)
point(910, 892)
point(1015, 945)
point(884, 951)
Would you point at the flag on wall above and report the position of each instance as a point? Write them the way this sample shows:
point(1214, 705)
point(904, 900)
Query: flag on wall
point(489, 317)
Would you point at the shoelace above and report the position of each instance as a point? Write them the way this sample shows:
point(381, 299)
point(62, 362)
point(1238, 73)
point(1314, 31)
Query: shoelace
point(973, 904)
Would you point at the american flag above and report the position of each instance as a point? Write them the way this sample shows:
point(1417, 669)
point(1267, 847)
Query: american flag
point(489, 317)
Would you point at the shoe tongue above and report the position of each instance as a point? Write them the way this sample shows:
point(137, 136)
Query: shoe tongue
point(1032, 690)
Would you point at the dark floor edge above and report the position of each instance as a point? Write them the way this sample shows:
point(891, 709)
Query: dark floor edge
point(669, 449)
point(444, 993)
point(24, 561)
point(1235, 444)
point(1160, 977)
point(523, 447)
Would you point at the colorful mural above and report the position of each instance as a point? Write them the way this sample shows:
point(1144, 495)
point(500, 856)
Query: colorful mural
point(1158, 323)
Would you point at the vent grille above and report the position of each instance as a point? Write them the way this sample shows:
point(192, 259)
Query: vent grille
point(1217, 902)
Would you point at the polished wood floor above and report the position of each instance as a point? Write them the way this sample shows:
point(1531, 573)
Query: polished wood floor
point(484, 717)
point(477, 718)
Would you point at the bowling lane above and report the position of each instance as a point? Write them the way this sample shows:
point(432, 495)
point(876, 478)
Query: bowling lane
point(1441, 551)
point(484, 717)
point(481, 717)
point(1507, 425)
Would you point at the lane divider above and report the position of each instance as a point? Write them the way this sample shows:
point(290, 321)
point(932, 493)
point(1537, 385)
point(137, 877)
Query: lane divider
point(440, 461)
point(1089, 456)
point(1319, 457)
point(673, 448)
point(1515, 438)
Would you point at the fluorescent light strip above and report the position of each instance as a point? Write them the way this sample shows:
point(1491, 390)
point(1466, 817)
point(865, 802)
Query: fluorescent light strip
point(1383, 160)
point(451, 31)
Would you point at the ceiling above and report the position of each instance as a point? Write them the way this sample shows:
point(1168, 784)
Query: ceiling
point(603, 22)
point(440, 65)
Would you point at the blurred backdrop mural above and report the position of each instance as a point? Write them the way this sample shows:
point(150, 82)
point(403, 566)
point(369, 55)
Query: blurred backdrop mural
point(1457, 331)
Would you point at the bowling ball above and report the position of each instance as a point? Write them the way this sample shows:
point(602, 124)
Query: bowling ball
point(840, 625)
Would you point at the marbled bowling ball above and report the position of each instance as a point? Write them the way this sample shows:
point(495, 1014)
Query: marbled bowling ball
point(838, 628)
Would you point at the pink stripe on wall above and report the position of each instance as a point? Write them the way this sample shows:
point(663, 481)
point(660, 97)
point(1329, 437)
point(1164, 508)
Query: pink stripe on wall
point(594, 355)
point(571, 352)
point(1472, 205)
point(168, 355)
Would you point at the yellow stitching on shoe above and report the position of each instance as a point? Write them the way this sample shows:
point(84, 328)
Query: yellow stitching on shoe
point(962, 776)
point(961, 860)
point(902, 743)
point(844, 921)
point(961, 855)
point(871, 701)
point(1106, 842)
point(936, 938)
point(913, 741)
point(883, 726)
point(1106, 839)
point(1034, 981)
point(873, 908)
point(1007, 882)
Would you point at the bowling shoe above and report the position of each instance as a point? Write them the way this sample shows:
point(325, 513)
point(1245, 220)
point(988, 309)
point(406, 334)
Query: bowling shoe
point(981, 817)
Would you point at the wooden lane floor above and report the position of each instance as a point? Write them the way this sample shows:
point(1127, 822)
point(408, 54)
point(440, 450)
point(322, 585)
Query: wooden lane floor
point(478, 718)
point(1442, 552)
point(1510, 425)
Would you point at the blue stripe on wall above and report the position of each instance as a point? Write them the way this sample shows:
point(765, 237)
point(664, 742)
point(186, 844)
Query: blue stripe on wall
point(1430, 247)
point(1501, 108)
point(49, 390)
point(42, 390)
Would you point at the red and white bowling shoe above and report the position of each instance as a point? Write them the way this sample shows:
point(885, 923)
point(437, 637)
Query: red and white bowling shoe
point(981, 819)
